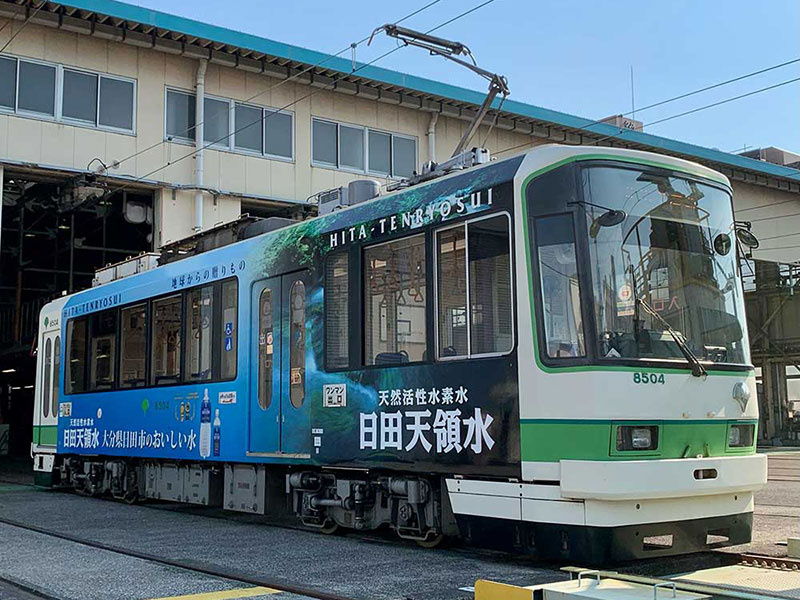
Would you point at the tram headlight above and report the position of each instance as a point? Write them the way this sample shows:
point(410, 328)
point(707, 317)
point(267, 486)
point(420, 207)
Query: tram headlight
point(637, 437)
point(741, 436)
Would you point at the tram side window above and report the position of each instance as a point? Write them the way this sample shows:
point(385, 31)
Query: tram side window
point(56, 373)
point(394, 303)
point(491, 319)
point(103, 340)
point(297, 343)
point(337, 312)
point(560, 288)
point(229, 332)
point(48, 358)
point(133, 346)
point(266, 348)
point(75, 380)
point(165, 353)
point(474, 288)
point(200, 333)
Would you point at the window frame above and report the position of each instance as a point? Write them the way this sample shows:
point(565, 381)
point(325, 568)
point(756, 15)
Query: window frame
point(392, 153)
point(67, 360)
point(5, 109)
point(58, 116)
point(318, 163)
point(121, 346)
point(230, 145)
point(580, 267)
point(558, 206)
point(361, 355)
point(74, 120)
point(465, 225)
point(366, 131)
point(57, 85)
point(216, 358)
point(90, 359)
point(352, 303)
point(47, 383)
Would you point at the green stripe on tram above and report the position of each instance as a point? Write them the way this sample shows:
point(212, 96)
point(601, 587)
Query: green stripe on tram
point(45, 434)
point(554, 440)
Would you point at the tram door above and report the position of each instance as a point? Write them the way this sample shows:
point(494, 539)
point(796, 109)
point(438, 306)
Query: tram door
point(279, 413)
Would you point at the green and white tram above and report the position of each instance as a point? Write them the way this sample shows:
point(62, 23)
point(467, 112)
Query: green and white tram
point(547, 351)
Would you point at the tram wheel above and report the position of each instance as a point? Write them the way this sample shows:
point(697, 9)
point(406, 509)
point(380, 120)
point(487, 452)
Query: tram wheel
point(330, 528)
point(431, 542)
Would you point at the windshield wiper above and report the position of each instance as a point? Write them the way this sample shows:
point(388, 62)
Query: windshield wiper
point(698, 370)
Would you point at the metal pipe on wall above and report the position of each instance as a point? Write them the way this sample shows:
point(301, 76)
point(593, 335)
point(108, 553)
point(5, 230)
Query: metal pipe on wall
point(199, 117)
point(432, 136)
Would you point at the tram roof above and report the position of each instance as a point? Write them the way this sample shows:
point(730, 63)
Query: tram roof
point(150, 28)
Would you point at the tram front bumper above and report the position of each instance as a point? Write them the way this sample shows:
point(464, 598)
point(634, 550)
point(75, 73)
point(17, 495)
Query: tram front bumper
point(662, 478)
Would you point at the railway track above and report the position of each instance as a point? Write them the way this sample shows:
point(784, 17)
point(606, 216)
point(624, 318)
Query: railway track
point(193, 567)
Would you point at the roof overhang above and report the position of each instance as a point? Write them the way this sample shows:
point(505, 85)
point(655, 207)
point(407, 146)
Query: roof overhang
point(142, 27)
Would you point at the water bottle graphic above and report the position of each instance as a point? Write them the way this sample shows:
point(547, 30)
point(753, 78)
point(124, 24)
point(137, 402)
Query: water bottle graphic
point(215, 436)
point(205, 426)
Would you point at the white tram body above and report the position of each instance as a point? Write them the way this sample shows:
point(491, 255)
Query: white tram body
point(547, 351)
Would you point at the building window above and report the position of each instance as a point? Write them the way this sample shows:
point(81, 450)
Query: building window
point(200, 333)
point(337, 312)
point(404, 156)
point(394, 302)
point(324, 142)
point(66, 94)
point(75, 374)
point(473, 279)
point(364, 150)
point(351, 147)
point(133, 346)
point(180, 115)
point(561, 299)
point(278, 134)
point(216, 121)
point(380, 153)
point(80, 96)
point(116, 103)
point(102, 347)
point(231, 126)
point(8, 82)
point(165, 354)
point(37, 88)
point(249, 135)
point(229, 332)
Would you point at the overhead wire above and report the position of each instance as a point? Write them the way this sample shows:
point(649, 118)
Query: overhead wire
point(619, 134)
point(306, 96)
point(274, 86)
point(680, 97)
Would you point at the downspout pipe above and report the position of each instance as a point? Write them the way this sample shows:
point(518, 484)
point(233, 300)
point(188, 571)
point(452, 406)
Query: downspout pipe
point(432, 136)
point(199, 117)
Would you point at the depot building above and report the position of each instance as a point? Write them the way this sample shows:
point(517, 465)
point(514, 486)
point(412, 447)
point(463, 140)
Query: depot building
point(124, 130)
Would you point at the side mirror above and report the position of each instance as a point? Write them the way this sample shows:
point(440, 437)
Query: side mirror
point(746, 238)
point(610, 218)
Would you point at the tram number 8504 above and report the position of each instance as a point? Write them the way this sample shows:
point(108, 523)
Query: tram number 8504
point(648, 378)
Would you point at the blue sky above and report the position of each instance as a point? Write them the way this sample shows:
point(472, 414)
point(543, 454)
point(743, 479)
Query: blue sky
point(575, 55)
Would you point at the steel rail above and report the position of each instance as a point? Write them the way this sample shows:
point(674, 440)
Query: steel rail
point(205, 569)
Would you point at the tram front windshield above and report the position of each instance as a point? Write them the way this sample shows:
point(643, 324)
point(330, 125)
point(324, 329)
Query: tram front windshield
point(672, 254)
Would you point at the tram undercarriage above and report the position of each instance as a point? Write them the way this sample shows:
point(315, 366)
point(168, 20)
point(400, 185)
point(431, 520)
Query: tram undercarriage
point(414, 507)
